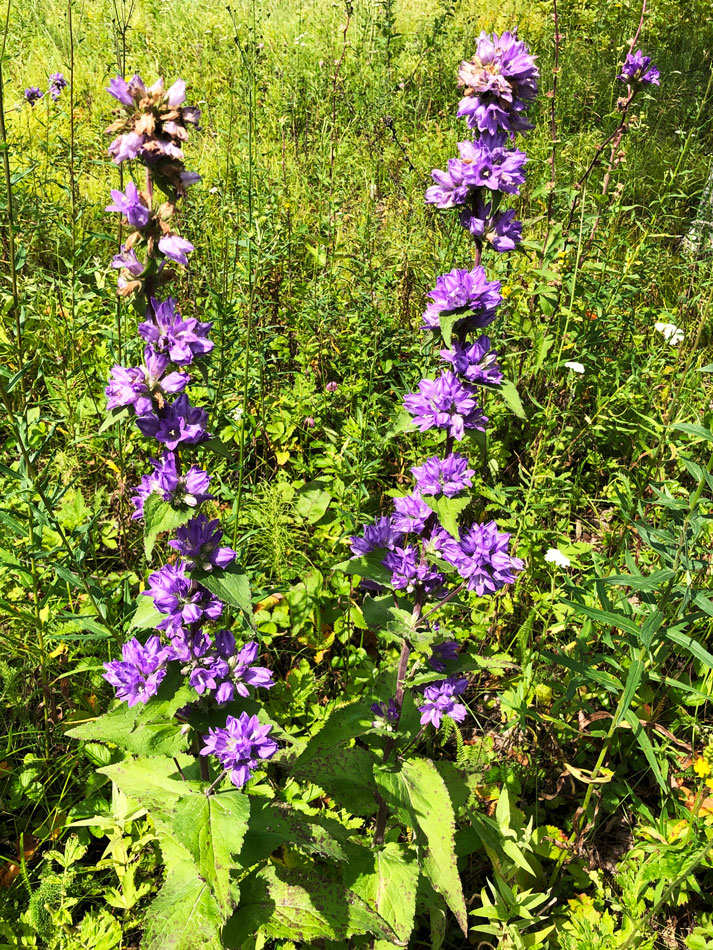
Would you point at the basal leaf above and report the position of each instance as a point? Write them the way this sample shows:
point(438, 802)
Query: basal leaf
point(274, 823)
point(302, 905)
point(418, 792)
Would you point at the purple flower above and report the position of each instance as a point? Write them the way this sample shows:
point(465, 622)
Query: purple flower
point(33, 94)
point(126, 147)
point(381, 534)
point(179, 423)
point(388, 712)
point(240, 747)
point(477, 363)
point(242, 671)
point(409, 571)
point(127, 92)
point(500, 83)
point(309, 422)
point(450, 189)
point(130, 205)
point(175, 248)
point(129, 262)
point(482, 559)
point(190, 489)
point(182, 599)
point(138, 674)
point(127, 387)
point(500, 229)
point(639, 69)
point(199, 542)
point(449, 476)
point(156, 366)
point(411, 514)
point(182, 339)
point(440, 701)
point(488, 162)
point(332, 386)
point(463, 291)
point(445, 403)
point(57, 84)
point(444, 653)
point(176, 94)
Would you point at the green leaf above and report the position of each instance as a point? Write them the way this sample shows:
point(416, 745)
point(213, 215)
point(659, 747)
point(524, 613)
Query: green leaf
point(184, 915)
point(648, 582)
point(418, 792)
point(302, 905)
point(146, 617)
point(148, 781)
point(588, 673)
point(369, 566)
point(312, 501)
point(159, 517)
point(447, 322)
point(274, 823)
point(387, 879)
point(693, 647)
point(692, 429)
point(604, 617)
point(231, 585)
point(646, 746)
point(512, 398)
point(447, 510)
point(112, 417)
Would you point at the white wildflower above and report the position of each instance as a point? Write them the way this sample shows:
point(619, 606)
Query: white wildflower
point(555, 556)
point(670, 332)
point(575, 367)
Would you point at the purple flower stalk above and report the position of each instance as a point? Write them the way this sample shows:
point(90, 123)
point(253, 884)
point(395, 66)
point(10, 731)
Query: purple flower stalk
point(448, 476)
point(499, 228)
point(477, 363)
point(138, 675)
point(445, 403)
point(199, 542)
point(182, 339)
point(463, 291)
point(179, 423)
point(440, 701)
point(639, 69)
point(131, 205)
point(482, 558)
point(241, 747)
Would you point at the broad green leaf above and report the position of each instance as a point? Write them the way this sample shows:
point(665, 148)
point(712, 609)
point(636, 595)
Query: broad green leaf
point(302, 905)
point(649, 582)
point(447, 322)
point(312, 501)
point(148, 781)
point(230, 585)
point(345, 774)
point(418, 792)
point(274, 823)
point(447, 510)
point(512, 399)
point(387, 879)
point(369, 566)
point(146, 617)
point(159, 517)
point(693, 429)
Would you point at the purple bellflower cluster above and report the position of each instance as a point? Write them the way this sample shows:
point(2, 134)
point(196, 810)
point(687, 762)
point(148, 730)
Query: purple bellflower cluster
point(425, 558)
point(152, 128)
point(57, 82)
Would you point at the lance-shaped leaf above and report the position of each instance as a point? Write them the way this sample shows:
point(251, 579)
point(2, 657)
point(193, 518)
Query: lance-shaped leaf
point(418, 793)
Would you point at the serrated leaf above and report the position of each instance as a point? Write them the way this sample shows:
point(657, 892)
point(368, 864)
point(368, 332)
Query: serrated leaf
point(302, 905)
point(447, 510)
point(387, 879)
point(274, 823)
point(184, 915)
point(231, 585)
point(369, 566)
point(512, 398)
point(159, 517)
point(416, 790)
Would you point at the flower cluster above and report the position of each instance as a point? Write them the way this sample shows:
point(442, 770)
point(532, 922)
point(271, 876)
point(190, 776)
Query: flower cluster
point(424, 557)
point(152, 129)
point(57, 82)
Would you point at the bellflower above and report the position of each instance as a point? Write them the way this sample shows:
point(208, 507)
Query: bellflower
point(463, 291)
point(182, 339)
point(448, 476)
point(442, 654)
point(126, 147)
point(240, 747)
point(127, 387)
point(57, 83)
point(33, 94)
point(445, 403)
point(190, 489)
point(409, 571)
point(489, 162)
point(639, 69)
point(450, 190)
point(482, 559)
point(183, 600)
point(389, 713)
point(381, 534)
point(440, 701)
point(477, 363)
point(130, 204)
point(138, 675)
point(179, 423)
point(411, 514)
point(500, 229)
point(199, 542)
point(500, 83)
point(175, 248)
point(242, 670)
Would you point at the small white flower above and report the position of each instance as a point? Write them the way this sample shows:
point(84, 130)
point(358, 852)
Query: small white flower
point(670, 332)
point(555, 556)
point(575, 367)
